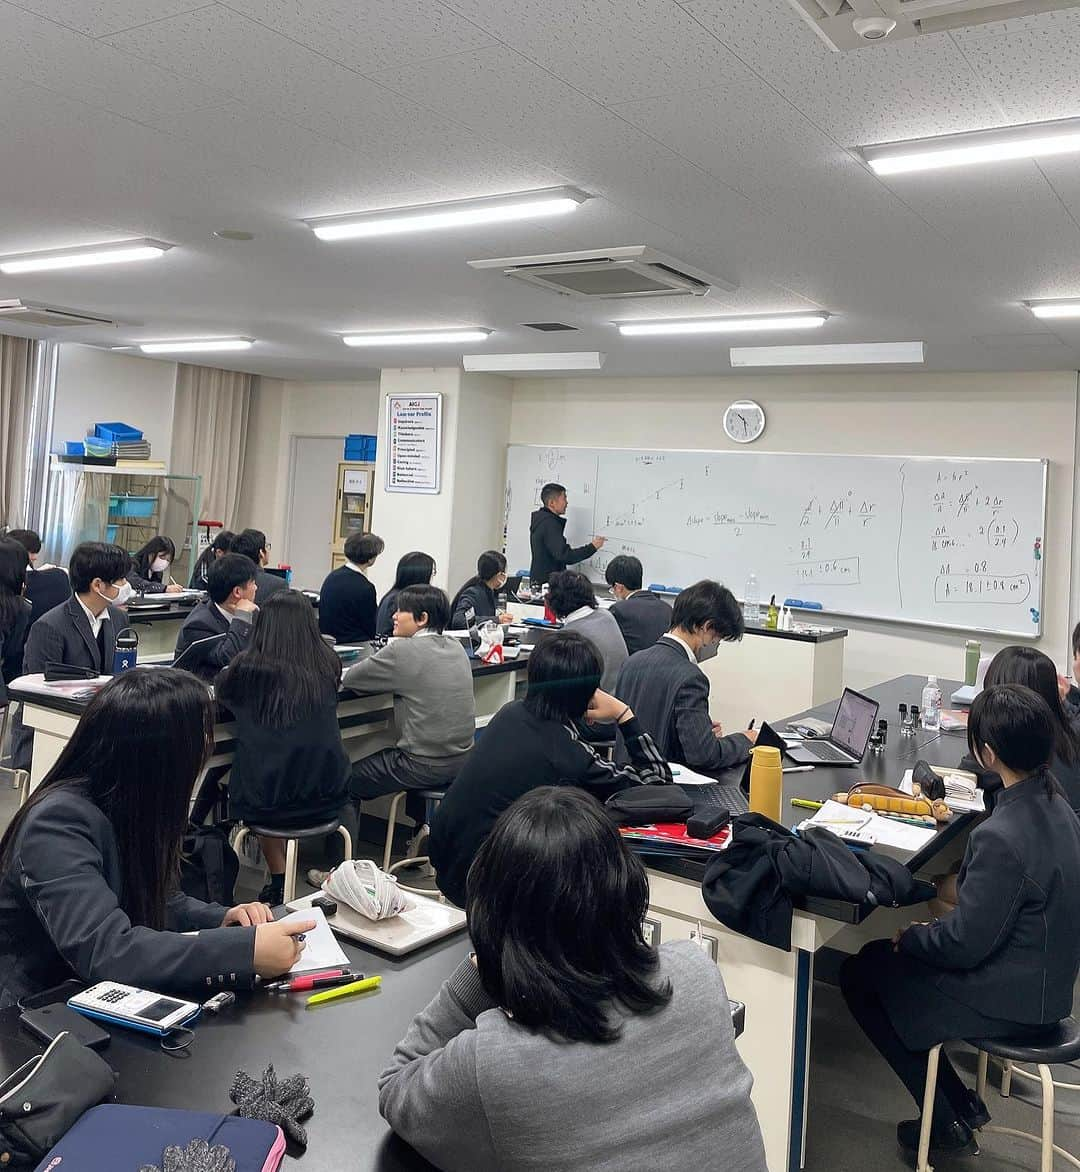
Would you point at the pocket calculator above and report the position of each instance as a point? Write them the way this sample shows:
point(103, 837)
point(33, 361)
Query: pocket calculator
point(134, 1009)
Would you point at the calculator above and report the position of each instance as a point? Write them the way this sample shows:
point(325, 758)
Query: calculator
point(134, 1009)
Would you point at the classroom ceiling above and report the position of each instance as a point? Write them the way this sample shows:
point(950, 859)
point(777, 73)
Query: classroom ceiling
point(721, 132)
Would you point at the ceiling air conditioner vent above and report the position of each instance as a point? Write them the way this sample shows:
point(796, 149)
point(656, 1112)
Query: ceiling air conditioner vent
point(607, 273)
point(33, 313)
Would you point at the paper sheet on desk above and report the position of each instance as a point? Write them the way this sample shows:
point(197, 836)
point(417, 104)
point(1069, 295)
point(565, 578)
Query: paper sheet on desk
point(36, 683)
point(870, 829)
point(322, 951)
point(955, 801)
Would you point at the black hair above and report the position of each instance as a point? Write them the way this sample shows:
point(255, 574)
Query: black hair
point(488, 565)
point(1076, 639)
point(361, 548)
point(1035, 670)
point(27, 538)
point(624, 570)
point(1018, 725)
point(220, 545)
point(708, 603)
point(414, 569)
point(286, 671)
point(564, 671)
point(13, 562)
point(429, 600)
point(226, 573)
point(250, 543)
point(95, 559)
point(145, 556)
point(136, 753)
point(555, 906)
point(567, 591)
point(550, 491)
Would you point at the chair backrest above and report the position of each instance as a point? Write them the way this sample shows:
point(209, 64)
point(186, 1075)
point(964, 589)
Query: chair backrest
point(46, 589)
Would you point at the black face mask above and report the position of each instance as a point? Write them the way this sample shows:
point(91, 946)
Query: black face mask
point(706, 651)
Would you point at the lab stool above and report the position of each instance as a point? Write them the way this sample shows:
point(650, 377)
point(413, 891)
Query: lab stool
point(293, 836)
point(20, 779)
point(432, 798)
point(1059, 1044)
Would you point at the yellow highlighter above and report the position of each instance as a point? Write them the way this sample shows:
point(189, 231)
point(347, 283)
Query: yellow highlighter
point(344, 991)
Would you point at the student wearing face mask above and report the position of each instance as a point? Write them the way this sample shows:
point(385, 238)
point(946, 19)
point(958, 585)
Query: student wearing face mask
point(670, 693)
point(149, 572)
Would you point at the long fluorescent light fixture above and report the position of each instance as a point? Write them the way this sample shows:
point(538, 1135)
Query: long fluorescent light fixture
point(118, 252)
point(1030, 141)
point(509, 363)
point(1049, 310)
point(721, 325)
point(195, 345)
point(460, 213)
point(840, 354)
point(418, 338)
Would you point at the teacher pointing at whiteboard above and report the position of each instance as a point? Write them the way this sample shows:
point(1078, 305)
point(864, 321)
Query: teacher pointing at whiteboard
point(550, 551)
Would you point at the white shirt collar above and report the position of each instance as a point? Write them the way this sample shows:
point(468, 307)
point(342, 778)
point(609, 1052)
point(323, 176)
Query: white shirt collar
point(94, 619)
point(355, 568)
point(580, 613)
point(420, 634)
point(223, 612)
point(684, 645)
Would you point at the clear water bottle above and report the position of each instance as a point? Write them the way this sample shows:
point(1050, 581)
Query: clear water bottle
point(751, 607)
point(931, 705)
point(525, 588)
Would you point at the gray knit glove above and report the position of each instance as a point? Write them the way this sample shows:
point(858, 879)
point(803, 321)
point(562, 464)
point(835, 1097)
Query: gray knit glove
point(284, 1103)
point(198, 1156)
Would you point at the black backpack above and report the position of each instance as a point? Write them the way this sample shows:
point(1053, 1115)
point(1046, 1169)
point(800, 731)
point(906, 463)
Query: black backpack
point(208, 864)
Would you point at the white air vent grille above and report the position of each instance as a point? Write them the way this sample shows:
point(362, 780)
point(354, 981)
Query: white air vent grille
point(833, 20)
point(33, 313)
point(608, 273)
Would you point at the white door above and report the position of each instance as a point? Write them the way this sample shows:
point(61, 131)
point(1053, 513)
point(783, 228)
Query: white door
point(312, 503)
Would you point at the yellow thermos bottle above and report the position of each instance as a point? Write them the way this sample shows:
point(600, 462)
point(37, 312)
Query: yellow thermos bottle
point(766, 781)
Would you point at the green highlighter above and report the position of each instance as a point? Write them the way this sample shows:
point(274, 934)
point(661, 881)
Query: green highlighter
point(344, 991)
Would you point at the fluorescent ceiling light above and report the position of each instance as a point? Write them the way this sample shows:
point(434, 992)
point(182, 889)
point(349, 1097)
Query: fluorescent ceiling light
point(118, 252)
point(460, 213)
point(721, 325)
point(1030, 141)
point(194, 345)
point(418, 337)
point(1054, 309)
point(841, 354)
point(492, 363)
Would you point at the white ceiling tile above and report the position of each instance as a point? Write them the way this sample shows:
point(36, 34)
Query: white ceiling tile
point(96, 18)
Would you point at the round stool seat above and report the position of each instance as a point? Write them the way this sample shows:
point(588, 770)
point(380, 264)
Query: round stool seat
point(430, 795)
point(1059, 1043)
point(294, 832)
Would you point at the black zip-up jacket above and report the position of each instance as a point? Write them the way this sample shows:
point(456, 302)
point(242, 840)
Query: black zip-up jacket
point(550, 552)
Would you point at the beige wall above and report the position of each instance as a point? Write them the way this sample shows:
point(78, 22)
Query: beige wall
point(888, 414)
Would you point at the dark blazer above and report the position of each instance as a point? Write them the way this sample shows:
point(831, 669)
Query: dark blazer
point(63, 636)
point(474, 604)
point(204, 622)
point(60, 915)
point(1067, 776)
point(642, 618)
point(670, 696)
point(12, 645)
point(1010, 949)
point(384, 618)
point(517, 752)
point(347, 606)
point(550, 551)
point(143, 580)
point(46, 589)
point(267, 584)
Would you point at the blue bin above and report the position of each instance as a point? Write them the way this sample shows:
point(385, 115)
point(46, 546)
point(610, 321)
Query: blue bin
point(117, 432)
point(110, 533)
point(360, 447)
point(135, 506)
point(74, 448)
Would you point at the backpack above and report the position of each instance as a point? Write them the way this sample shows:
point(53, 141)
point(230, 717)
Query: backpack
point(208, 864)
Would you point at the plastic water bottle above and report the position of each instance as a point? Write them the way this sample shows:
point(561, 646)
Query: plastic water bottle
point(931, 705)
point(525, 588)
point(752, 602)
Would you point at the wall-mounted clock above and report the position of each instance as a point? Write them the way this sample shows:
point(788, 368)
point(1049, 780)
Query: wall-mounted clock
point(744, 421)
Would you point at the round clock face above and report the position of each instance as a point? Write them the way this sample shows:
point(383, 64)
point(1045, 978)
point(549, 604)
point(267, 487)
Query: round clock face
point(744, 421)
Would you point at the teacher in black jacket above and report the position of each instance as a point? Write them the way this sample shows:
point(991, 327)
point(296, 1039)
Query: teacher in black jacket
point(90, 866)
point(347, 605)
point(550, 551)
point(1005, 961)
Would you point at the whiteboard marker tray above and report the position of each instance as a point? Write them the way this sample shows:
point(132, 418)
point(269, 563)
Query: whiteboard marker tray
point(423, 921)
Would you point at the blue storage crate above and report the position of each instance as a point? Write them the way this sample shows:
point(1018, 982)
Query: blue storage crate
point(74, 448)
point(110, 533)
point(117, 433)
point(360, 447)
point(136, 506)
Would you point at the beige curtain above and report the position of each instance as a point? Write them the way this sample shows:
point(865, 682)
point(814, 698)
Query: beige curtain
point(209, 439)
point(16, 416)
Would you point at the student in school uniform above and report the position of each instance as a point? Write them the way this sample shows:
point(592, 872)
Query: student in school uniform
point(347, 606)
point(14, 611)
point(290, 767)
point(89, 866)
point(1004, 962)
point(642, 615)
point(537, 1051)
point(217, 631)
point(536, 742)
point(252, 544)
point(218, 548)
point(46, 585)
point(477, 600)
point(573, 601)
point(670, 692)
point(149, 573)
point(413, 569)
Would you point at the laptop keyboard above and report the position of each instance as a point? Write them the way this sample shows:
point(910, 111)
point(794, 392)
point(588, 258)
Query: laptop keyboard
point(825, 751)
point(707, 798)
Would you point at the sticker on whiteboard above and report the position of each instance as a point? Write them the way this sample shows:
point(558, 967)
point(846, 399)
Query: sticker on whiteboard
point(414, 441)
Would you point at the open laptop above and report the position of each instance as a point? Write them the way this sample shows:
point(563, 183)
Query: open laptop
point(848, 737)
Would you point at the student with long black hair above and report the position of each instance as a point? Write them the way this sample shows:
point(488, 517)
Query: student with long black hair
point(90, 866)
point(413, 569)
point(14, 611)
point(149, 573)
point(289, 767)
point(477, 600)
point(535, 1053)
point(218, 548)
point(1004, 961)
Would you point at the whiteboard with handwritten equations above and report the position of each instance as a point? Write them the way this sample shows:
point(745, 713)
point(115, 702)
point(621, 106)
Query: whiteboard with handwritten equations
point(955, 543)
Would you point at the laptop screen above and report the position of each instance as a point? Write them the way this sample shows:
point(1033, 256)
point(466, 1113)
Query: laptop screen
point(854, 722)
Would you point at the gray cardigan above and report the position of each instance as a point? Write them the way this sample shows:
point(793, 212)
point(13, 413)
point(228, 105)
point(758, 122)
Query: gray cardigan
point(602, 631)
point(475, 1092)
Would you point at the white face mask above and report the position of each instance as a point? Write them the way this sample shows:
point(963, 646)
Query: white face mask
point(125, 594)
point(159, 564)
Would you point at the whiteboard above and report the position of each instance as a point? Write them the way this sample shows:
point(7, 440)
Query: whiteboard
point(945, 542)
